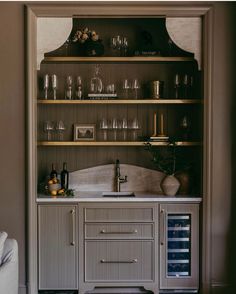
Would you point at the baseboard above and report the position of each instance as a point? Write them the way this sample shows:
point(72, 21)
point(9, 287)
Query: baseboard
point(220, 288)
point(22, 289)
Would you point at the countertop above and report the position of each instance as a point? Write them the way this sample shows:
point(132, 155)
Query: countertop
point(139, 197)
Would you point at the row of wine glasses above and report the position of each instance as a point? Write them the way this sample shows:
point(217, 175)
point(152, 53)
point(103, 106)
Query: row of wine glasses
point(183, 86)
point(131, 88)
point(120, 45)
point(54, 130)
point(119, 129)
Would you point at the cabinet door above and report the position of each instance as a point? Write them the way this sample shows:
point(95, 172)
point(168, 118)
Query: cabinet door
point(179, 246)
point(57, 247)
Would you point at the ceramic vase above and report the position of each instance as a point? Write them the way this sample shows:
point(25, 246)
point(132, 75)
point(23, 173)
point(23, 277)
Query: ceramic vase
point(170, 185)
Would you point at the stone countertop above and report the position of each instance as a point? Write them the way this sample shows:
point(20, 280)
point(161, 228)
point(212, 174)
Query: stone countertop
point(139, 197)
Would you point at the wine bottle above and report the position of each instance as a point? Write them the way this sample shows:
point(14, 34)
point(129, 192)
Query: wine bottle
point(64, 177)
point(53, 173)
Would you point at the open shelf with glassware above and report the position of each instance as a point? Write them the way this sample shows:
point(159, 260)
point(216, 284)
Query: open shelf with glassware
point(117, 94)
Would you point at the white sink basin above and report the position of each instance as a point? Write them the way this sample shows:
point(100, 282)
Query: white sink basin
point(118, 194)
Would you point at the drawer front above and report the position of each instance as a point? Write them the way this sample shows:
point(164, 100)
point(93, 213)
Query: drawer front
point(118, 231)
point(119, 261)
point(119, 214)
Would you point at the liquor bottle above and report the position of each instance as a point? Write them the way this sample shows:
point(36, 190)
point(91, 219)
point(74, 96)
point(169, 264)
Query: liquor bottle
point(64, 177)
point(53, 173)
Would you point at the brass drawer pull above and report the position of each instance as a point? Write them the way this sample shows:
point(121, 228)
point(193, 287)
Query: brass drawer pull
point(129, 232)
point(119, 261)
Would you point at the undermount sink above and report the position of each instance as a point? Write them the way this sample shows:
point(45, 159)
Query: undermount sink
point(118, 194)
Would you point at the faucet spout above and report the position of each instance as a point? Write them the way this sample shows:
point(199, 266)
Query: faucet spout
point(118, 178)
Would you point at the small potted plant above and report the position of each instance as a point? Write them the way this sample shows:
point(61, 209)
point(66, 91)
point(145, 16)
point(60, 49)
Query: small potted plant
point(89, 43)
point(171, 162)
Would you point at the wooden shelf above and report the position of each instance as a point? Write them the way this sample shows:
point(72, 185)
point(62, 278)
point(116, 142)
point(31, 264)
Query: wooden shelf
point(122, 101)
point(116, 59)
point(112, 143)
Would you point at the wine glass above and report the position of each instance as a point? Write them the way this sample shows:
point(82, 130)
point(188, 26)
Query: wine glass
point(126, 88)
point(54, 86)
point(134, 126)
point(124, 124)
point(46, 85)
point(177, 86)
point(48, 128)
point(136, 88)
point(60, 129)
point(115, 127)
point(104, 128)
point(124, 46)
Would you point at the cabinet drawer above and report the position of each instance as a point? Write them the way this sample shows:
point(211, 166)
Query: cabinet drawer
point(119, 261)
point(142, 214)
point(118, 231)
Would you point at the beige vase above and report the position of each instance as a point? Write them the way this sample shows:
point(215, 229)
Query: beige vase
point(170, 185)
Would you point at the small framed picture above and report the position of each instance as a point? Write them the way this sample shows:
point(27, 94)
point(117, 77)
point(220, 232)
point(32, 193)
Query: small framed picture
point(84, 132)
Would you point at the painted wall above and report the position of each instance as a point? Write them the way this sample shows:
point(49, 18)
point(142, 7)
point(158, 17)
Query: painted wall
point(12, 133)
point(12, 128)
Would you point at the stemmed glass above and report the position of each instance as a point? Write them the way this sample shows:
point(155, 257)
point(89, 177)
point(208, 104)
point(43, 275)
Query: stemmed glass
point(54, 86)
point(136, 88)
point(126, 88)
point(60, 129)
point(115, 127)
point(104, 128)
point(48, 128)
point(46, 85)
point(124, 127)
point(134, 127)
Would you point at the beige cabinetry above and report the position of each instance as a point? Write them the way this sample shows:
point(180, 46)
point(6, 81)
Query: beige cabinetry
point(57, 243)
point(120, 245)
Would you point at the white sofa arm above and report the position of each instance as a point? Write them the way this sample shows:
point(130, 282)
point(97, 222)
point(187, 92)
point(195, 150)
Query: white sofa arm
point(9, 268)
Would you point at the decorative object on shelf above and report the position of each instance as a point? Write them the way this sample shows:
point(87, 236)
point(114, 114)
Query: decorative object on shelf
point(156, 89)
point(79, 89)
point(89, 43)
point(185, 178)
point(96, 85)
point(146, 45)
point(119, 45)
point(68, 88)
point(170, 161)
point(84, 132)
point(161, 136)
point(185, 125)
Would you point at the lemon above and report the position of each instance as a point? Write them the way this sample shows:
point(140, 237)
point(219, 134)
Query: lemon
point(50, 182)
point(61, 191)
point(54, 192)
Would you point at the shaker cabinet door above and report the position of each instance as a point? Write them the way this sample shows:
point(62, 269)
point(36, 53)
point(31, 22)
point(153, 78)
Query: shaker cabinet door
point(57, 242)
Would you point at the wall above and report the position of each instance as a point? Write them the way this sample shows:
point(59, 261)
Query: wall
point(12, 134)
point(223, 53)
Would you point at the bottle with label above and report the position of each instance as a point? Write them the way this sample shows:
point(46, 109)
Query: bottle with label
point(53, 173)
point(64, 177)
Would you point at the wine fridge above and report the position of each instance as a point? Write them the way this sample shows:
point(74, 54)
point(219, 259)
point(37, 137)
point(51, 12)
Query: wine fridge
point(179, 246)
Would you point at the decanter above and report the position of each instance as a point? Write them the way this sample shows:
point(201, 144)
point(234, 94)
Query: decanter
point(96, 85)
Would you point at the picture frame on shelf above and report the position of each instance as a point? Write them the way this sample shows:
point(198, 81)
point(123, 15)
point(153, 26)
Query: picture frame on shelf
point(84, 132)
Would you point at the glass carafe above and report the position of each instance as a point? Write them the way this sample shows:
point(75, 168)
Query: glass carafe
point(96, 85)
